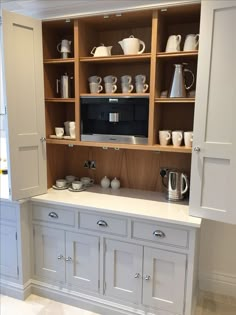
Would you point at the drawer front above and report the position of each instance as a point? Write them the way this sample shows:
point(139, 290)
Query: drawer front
point(7, 212)
point(160, 234)
point(53, 215)
point(104, 224)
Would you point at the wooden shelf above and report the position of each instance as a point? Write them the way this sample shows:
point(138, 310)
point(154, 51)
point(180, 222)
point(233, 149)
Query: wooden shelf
point(171, 148)
point(166, 55)
point(118, 58)
point(61, 141)
point(59, 100)
point(175, 100)
point(58, 61)
point(146, 95)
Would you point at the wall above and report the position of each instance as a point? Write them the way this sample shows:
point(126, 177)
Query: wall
point(217, 266)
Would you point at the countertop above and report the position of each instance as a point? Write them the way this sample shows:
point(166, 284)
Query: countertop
point(129, 202)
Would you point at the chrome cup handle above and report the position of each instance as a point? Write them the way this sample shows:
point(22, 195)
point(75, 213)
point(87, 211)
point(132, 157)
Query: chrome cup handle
point(185, 179)
point(193, 79)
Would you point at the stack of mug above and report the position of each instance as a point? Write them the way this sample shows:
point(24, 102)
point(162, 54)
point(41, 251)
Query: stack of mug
point(140, 85)
point(68, 131)
point(126, 86)
point(94, 84)
point(110, 84)
point(191, 43)
point(177, 137)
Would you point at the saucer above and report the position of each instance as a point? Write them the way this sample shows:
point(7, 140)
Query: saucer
point(59, 188)
point(69, 137)
point(55, 137)
point(76, 190)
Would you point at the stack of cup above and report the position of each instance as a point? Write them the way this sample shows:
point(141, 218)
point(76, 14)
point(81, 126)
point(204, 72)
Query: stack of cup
point(126, 85)
point(110, 84)
point(140, 85)
point(70, 128)
point(94, 84)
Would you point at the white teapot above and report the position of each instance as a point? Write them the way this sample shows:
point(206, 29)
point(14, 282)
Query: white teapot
point(101, 51)
point(131, 45)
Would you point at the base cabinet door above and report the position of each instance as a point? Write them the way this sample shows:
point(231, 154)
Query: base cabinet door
point(164, 280)
point(49, 253)
point(8, 251)
point(123, 271)
point(82, 261)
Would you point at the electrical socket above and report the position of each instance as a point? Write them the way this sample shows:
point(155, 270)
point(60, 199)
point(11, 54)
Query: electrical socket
point(163, 171)
point(86, 164)
point(92, 165)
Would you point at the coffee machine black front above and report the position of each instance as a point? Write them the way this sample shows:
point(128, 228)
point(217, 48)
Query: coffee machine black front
point(118, 119)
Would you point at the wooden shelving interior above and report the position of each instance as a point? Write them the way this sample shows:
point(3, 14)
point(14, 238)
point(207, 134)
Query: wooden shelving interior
point(58, 61)
point(117, 58)
point(132, 94)
point(174, 100)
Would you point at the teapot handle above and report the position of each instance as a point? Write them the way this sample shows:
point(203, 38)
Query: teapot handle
point(193, 79)
point(93, 51)
point(142, 50)
point(58, 47)
point(197, 40)
point(185, 179)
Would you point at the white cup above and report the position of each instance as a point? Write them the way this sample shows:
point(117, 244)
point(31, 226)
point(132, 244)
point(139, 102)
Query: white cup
point(140, 78)
point(191, 42)
point(110, 88)
point(64, 46)
point(77, 184)
point(164, 137)
point(87, 181)
point(140, 87)
point(126, 87)
point(60, 183)
point(95, 79)
point(95, 87)
point(70, 178)
point(110, 79)
point(59, 132)
point(126, 79)
point(177, 137)
point(188, 138)
point(173, 43)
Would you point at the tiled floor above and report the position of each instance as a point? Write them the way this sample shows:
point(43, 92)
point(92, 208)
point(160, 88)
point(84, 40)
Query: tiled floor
point(208, 304)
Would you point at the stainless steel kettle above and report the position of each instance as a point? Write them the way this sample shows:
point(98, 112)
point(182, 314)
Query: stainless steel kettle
point(177, 184)
point(65, 86)
point(178, 86)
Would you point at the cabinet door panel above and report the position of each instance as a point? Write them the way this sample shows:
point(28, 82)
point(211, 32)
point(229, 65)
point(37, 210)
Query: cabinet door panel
point(8, 251)
point(49, 245)
point(214, 166)
point(22, 42)
point(164, 280)
point(83, 268)
point(122, 262)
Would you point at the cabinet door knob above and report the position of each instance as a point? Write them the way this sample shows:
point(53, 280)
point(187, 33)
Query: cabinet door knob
point(196, 149)
point(60, 257)
point(137, 275)
point(159, 234)
point(147, 277)
point(42, 139)
point(53, 215)
point(102, 223)
point(68, 258)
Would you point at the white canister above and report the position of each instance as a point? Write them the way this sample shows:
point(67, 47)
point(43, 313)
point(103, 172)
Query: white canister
point(105, 182)
point(115, 183)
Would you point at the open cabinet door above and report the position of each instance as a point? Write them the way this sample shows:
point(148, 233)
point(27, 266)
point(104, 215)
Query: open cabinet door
point(213, 186)
point(23, 65)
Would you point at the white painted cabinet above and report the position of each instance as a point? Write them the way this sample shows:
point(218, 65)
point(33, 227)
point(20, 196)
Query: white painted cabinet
point(214, 156)
point(123, 271)
point(24, 91)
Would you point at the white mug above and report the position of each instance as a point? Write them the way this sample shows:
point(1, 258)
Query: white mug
point(70, 178)
point(64, 46)
point(140, 87)
point(60, 183)
point(59, 132)
point(140, 78)
point(95, 87)
point(110, 79)
point(164, 137)
point(177, 137)
point(95, 79)
point(191, 42)
point(87, 181)
point(110, 88)
point(188, 138)
point(77, 184)
point(126, 79)
point(126, 87)
point(173, 43)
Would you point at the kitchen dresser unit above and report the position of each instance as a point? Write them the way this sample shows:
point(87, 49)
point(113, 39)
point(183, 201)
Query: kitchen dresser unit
point(114, 259)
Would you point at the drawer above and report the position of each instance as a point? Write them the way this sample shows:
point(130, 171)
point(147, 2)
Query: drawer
point(160, 234)
point(7, 212)
point(53, 215)
point(103, 223)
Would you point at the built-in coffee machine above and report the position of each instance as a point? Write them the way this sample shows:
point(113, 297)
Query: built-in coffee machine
point(118, 119)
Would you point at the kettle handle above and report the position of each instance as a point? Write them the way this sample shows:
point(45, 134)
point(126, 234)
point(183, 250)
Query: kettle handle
point(184, 178)
point(58, 47)
point(142, 50)
point(193, 79)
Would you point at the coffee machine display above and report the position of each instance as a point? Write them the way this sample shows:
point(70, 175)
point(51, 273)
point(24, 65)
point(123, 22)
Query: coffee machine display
point(176, 184)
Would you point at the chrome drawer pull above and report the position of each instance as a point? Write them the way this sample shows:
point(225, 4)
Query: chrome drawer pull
point(102, 223)
point(147, 277)
point(159, 233)
point(137, 275)
point(68, 258)
point(53, 215)
point(60, 257)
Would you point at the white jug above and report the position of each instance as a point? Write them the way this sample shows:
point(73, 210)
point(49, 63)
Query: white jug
point(131, 46)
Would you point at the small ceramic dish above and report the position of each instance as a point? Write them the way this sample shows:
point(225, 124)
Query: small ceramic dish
point(59, 188)
point(76, 190)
